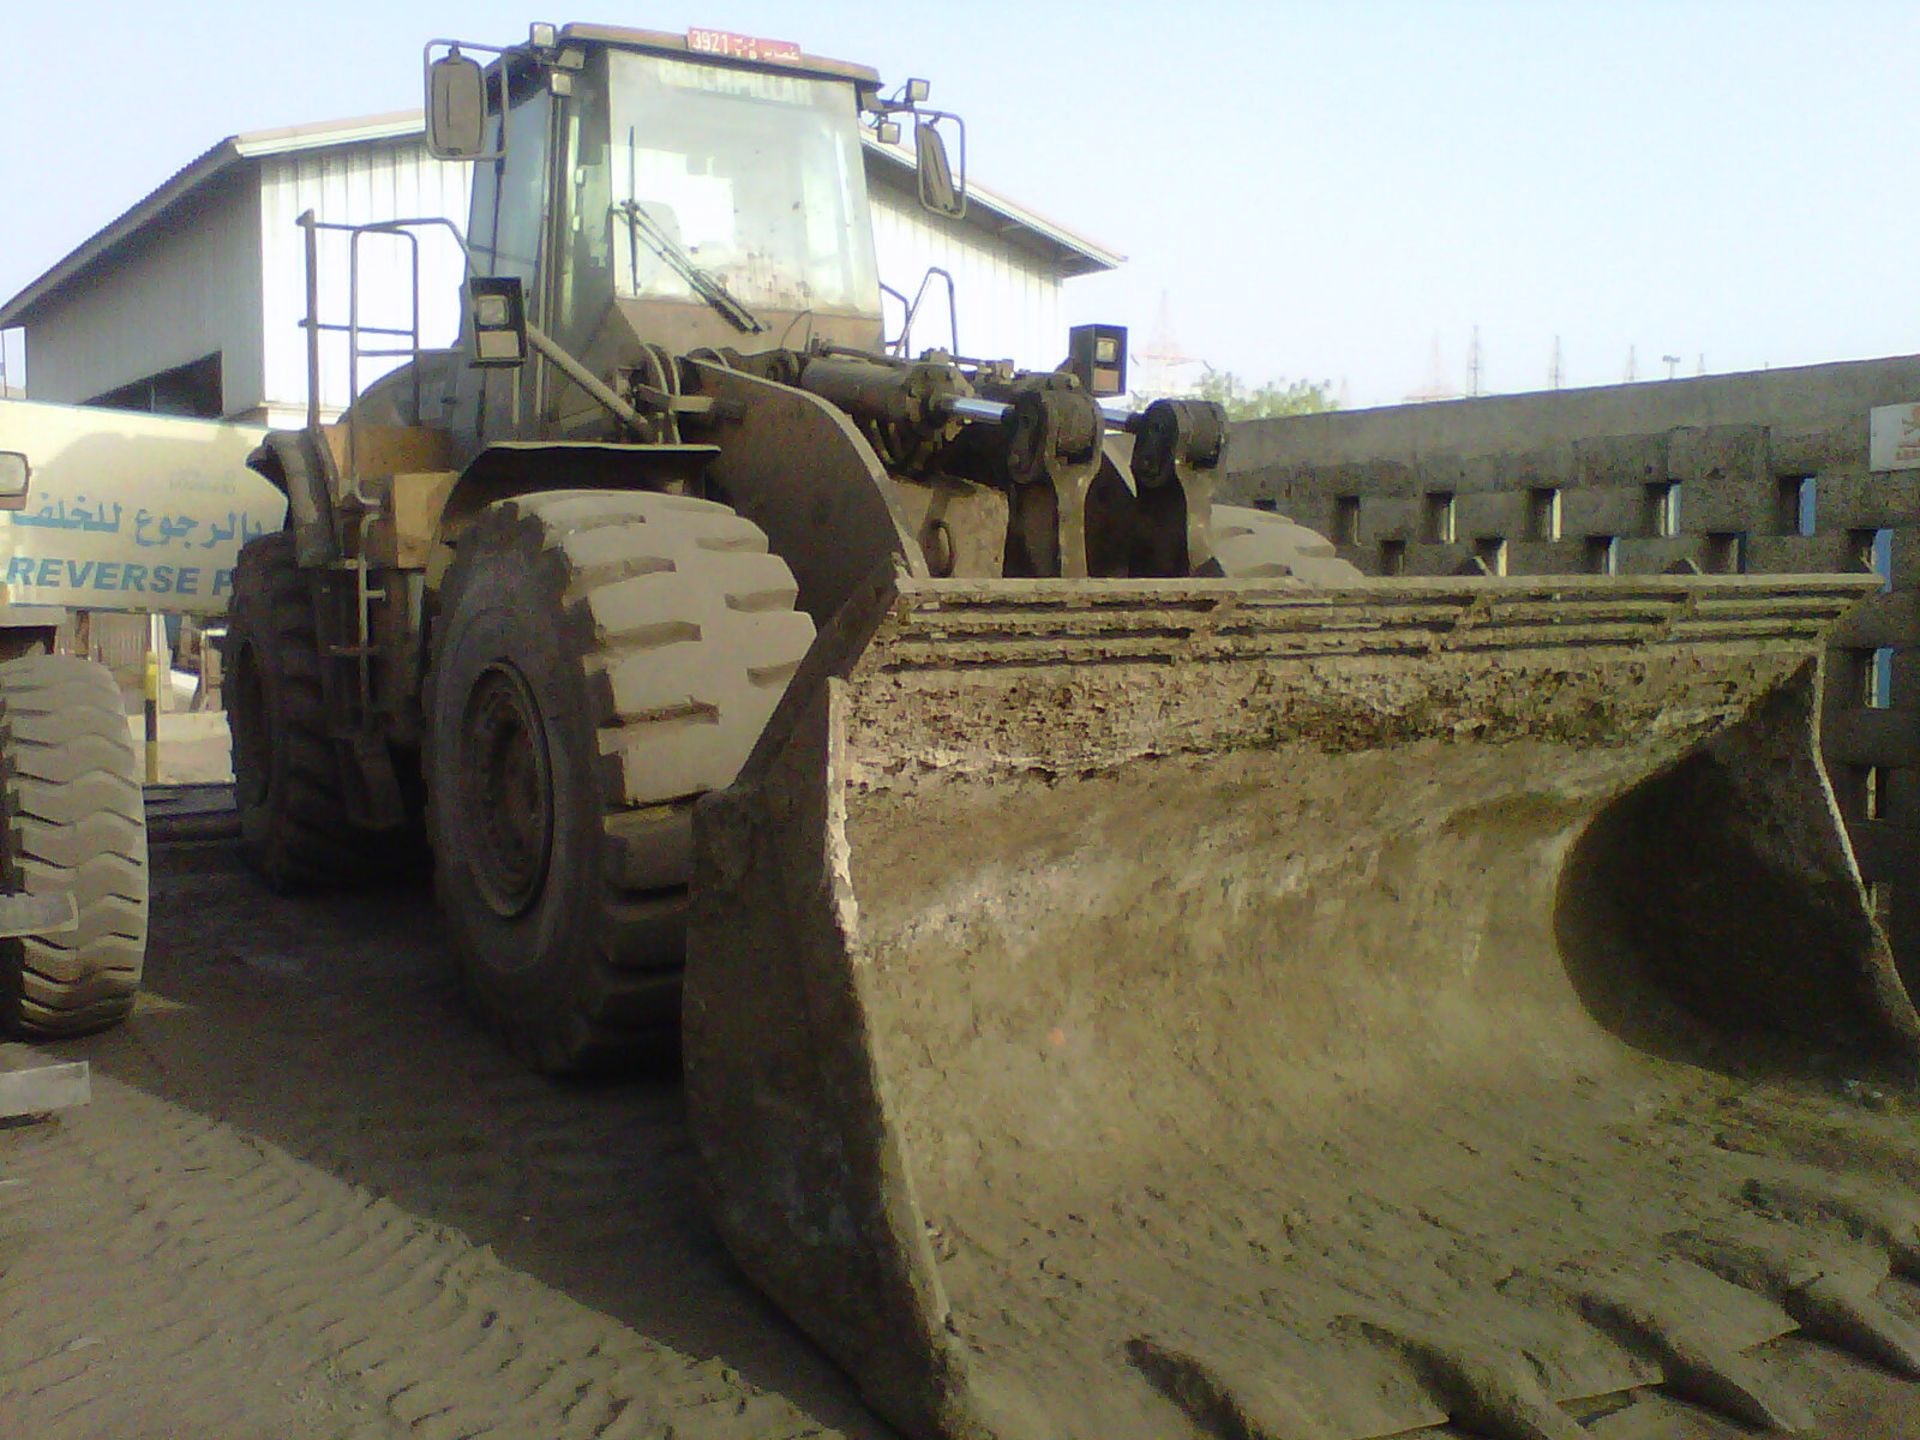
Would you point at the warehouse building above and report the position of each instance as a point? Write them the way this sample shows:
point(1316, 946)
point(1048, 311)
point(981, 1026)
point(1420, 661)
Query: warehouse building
point(190, 302)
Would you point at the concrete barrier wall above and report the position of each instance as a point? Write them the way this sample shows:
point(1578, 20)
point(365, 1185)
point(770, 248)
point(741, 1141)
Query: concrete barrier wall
point(1764, 473)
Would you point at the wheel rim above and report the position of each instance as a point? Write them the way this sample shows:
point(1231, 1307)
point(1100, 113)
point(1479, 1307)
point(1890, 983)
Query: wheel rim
point(252, 734)
point(507, 786)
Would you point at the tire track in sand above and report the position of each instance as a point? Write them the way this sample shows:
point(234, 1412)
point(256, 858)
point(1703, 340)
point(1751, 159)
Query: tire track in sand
point(174, 1276)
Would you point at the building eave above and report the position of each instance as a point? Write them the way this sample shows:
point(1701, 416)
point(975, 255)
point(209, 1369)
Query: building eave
point(989, 211)
point(394, 125)
point(184, 182)
point(195, 176)
point(1076, 254)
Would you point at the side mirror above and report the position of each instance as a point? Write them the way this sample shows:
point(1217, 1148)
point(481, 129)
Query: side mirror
point(457, 107)
point(940, 191)
point(14, 475)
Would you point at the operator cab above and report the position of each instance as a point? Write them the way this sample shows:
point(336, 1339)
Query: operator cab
point(652, 190)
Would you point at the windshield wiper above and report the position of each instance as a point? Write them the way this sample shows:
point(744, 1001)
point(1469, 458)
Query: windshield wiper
point(640, 223)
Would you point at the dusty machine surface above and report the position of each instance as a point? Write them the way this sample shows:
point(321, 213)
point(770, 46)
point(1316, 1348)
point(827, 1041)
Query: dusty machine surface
point(73, 850)
point(1139, 980)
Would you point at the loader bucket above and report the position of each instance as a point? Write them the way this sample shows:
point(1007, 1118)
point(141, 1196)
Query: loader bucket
point(1209, 1008)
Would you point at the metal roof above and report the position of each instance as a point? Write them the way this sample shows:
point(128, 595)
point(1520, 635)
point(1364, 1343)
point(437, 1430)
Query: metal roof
point(193, 177)
point(993, 212)
point(987, 210)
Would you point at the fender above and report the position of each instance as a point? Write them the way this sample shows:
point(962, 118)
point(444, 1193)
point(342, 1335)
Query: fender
point(300, 466)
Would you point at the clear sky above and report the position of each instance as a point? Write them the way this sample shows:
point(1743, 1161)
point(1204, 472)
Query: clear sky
point(1322, 190)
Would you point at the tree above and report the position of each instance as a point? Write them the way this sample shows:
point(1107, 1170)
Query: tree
point(1243, 401)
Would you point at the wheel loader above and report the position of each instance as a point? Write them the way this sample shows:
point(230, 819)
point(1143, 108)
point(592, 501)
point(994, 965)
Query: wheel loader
point(1132, 977)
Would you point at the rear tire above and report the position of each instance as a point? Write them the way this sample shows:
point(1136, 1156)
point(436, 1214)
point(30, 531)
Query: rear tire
point(600, 660)
point(74, 822)
point(294, 825)
point(1253, 544)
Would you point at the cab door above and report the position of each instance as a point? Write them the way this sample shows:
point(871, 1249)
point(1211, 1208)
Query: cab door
point(510, 231)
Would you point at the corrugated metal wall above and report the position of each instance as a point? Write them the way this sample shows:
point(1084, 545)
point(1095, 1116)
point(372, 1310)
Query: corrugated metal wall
point(1009, 301)
point(355, 184)
point(228, 275)
point(179, 291)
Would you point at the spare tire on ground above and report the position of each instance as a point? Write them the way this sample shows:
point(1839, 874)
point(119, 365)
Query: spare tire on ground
point(73, 823)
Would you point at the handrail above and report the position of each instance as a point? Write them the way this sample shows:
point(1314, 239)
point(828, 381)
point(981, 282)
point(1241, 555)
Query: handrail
point(353, 328)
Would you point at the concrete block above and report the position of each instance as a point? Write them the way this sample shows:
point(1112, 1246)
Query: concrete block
point(1658, 555)
point(1547, 557)
point(1244, 487)
point(1855, 499)
point(1441, 470)
point(1724, 480)
point(1906, 683)
point(1808, 450)
point(1501, 512)
point(1316, 513)
point(1799, 554)
point(1379, 477)
point(1388, 517)
point(1426, 559)
point(1613, 459)
point(1708, 452)
point(1603, 509)
point(1851, 735)
point(1545, 465)
point(1881, 620)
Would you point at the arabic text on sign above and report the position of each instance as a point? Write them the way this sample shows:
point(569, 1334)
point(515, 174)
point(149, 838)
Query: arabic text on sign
point(741, 47)
point(149, 529)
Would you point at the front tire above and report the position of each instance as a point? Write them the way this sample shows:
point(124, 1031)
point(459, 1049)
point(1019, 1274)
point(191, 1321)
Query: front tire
point(1251, 544)
point(74, 822)
point(600, 660)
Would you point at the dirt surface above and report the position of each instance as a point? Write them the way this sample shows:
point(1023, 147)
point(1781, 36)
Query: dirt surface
point(193, 745)
point(311, 1199)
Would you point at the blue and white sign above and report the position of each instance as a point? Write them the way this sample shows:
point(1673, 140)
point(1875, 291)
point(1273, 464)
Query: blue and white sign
point(128, 511)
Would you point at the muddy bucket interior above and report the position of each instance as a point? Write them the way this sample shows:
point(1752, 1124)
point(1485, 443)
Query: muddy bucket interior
point(1240, 1012)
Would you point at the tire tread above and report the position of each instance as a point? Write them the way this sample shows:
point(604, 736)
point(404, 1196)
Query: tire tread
point(681, 625)
point(75, 822)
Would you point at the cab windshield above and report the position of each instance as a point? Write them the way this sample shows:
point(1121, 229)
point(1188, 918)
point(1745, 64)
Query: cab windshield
point(735, 181)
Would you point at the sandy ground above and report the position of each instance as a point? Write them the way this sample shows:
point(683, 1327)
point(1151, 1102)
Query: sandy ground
point(194, 746)
point(310, 1199)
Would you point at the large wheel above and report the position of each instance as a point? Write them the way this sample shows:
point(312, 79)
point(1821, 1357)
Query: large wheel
point(1260, 545)
point(74, 823)
point(294, 825)
point(600, 660)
